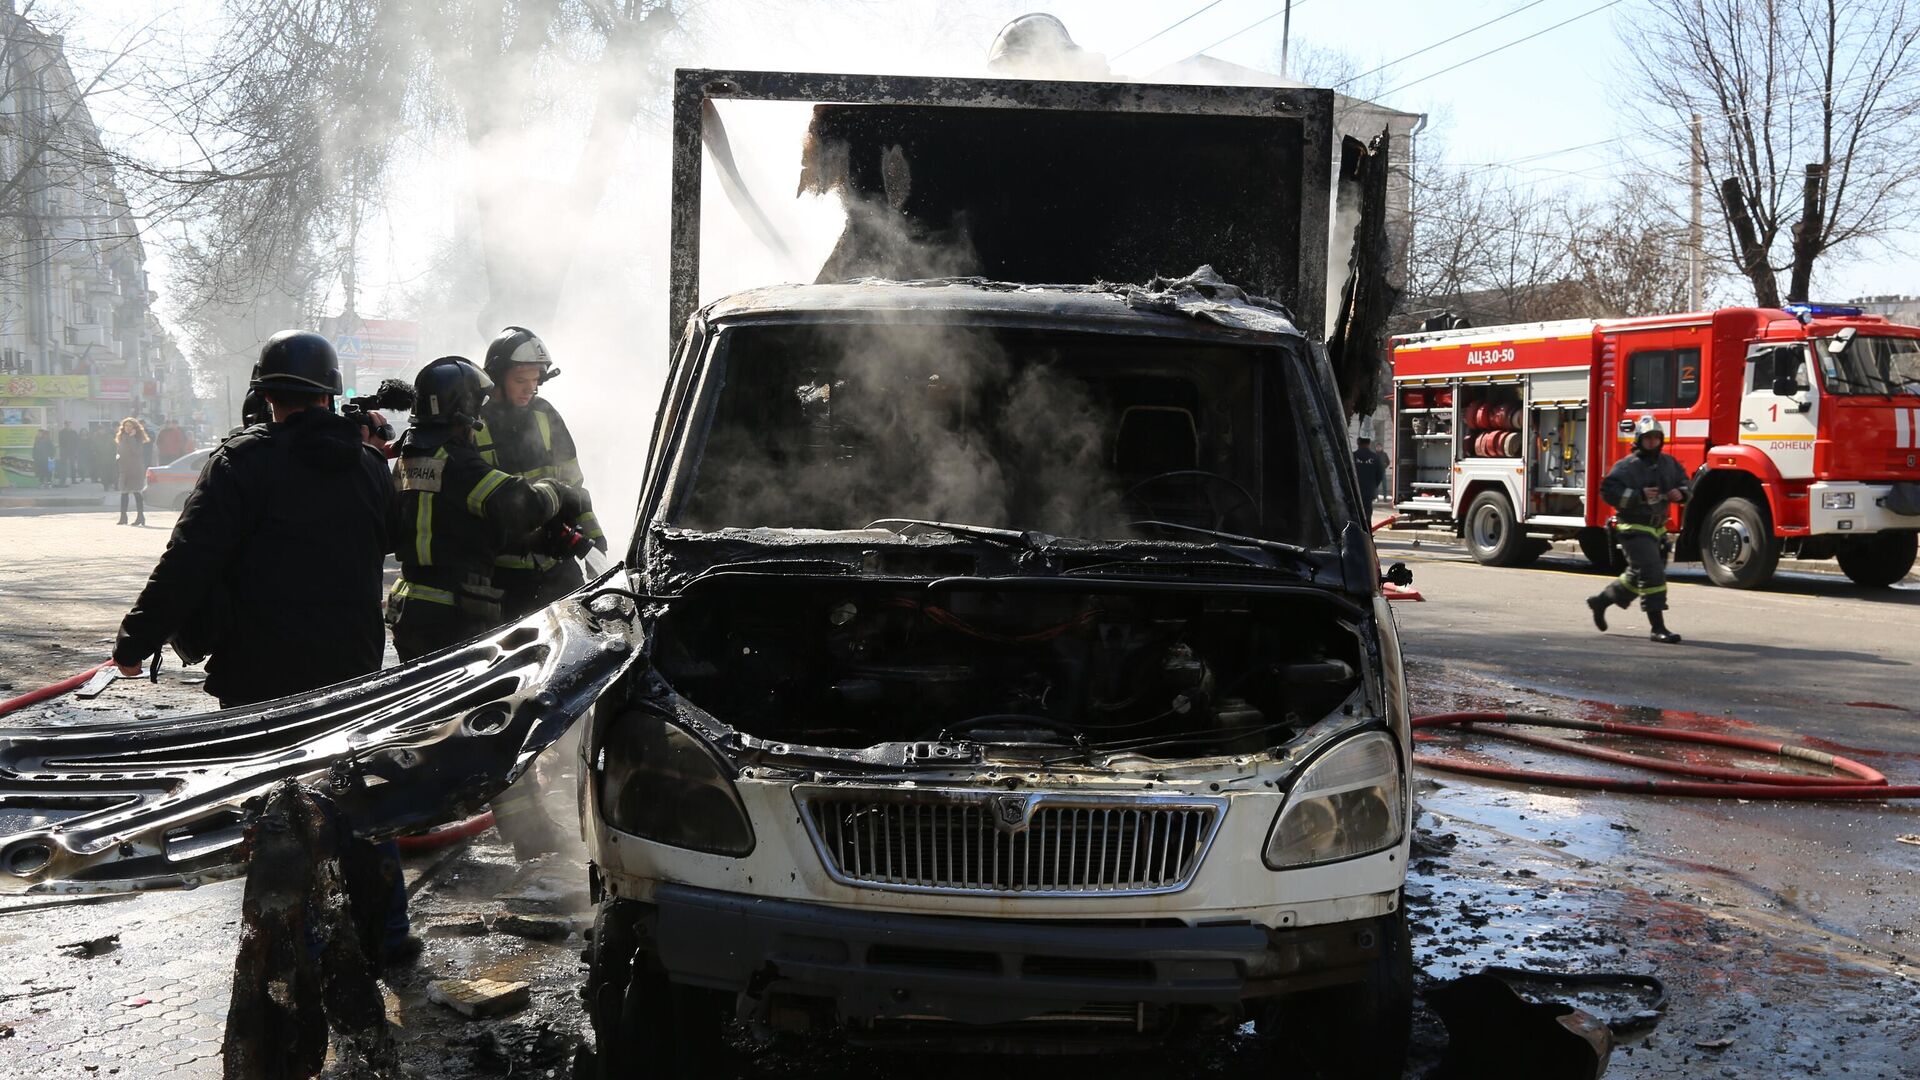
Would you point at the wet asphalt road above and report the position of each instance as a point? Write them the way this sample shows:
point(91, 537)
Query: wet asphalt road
point(1786, 932)
point(1814, 660)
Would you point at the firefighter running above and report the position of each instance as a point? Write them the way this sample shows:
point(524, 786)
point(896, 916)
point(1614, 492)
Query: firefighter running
point(524, 435)
point(1640, 488)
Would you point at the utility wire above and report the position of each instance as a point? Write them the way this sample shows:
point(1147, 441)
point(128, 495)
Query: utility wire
point(1250, 26)
point(1166, 30)
point(1503, 48)
point(1815, 93)
point(1437, 44)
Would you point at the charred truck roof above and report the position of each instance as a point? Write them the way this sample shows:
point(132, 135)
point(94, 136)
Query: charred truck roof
point(1036, 181)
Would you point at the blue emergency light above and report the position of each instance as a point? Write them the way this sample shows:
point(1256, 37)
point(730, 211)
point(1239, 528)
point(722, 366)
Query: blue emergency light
point(1806, 313)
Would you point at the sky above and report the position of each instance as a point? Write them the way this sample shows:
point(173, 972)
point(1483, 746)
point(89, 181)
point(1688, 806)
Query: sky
point(1516, 111)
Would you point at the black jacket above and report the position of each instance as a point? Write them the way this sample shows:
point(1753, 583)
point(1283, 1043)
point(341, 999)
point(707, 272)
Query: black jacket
point(286, 534)
point(1368, 467)
point(1623, 487)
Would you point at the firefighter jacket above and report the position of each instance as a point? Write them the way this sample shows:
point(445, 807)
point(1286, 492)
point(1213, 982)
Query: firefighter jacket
point(1624, 487)
point(453, 517)
point(532, 442)
point(275, 562)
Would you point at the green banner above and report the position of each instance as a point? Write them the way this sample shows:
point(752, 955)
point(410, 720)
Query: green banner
point(45, 386)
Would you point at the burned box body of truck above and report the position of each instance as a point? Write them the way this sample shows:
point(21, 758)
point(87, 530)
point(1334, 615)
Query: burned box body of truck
point(1016, 670)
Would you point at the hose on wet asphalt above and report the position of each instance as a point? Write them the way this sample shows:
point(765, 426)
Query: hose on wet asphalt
point(52, 690)
point(446, 834)
point(1850, 779)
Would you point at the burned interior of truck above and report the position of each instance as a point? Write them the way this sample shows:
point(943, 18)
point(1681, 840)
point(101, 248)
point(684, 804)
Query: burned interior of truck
point(1050, 524)
point(1100, 436)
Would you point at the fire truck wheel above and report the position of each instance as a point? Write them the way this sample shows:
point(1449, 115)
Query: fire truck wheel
point(1737, 546)
point(1598, 547)
point(1493, 537)
point(1879, 560)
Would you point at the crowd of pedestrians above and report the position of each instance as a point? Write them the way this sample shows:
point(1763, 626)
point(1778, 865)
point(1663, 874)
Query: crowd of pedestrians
point(114, 455)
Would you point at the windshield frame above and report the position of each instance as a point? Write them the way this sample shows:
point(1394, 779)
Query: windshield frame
point(1298, 392)
point(1837, 372)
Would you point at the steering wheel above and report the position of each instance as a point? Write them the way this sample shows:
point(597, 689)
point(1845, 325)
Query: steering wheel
point(1238, 497)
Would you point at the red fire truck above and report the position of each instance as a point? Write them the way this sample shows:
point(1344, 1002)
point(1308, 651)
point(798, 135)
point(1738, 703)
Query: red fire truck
point(1801, 427)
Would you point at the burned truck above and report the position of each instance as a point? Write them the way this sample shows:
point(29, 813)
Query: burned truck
point(1016, 671)
point(1000, 660)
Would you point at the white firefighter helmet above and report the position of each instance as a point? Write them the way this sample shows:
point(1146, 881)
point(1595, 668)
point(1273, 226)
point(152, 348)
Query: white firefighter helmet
point(1645, 426)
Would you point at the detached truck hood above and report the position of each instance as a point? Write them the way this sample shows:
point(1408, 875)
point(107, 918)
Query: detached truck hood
point(165, 802)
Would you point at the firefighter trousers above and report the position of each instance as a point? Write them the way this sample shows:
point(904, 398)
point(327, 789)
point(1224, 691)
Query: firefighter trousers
point(1645, 549)
point(424, 626)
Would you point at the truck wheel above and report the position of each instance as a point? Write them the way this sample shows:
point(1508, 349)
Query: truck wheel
point(1598, 547)
point(1738, 546)
point(1879, 560)
point(643, 1024)
point(1493, 537)
point(1358, 1032)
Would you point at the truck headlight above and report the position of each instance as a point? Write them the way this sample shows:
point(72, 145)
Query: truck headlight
point(658, 781)
point(1347, 803)
point(1836, 500)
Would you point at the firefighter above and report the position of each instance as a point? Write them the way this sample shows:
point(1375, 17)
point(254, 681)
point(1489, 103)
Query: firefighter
point(456, 514)
point(455, 517)
point(525, 435)
point(1640, 488)
point(274, 564)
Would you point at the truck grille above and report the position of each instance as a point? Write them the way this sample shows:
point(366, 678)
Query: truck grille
point(997, 843)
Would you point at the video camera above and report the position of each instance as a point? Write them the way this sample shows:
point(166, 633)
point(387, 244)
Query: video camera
point(394, 394)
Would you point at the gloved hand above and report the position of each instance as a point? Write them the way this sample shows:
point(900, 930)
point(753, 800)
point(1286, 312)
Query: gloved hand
point(573, 501)
point(560, 540)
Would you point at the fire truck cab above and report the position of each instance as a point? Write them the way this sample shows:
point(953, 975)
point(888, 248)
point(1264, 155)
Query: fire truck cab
point(1800, 426)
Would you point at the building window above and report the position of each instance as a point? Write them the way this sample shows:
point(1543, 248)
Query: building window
point(1663, 379)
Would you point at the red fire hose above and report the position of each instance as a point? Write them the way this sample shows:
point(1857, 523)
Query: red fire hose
point(446, 834)
point(1853, 780)
point(34, 697)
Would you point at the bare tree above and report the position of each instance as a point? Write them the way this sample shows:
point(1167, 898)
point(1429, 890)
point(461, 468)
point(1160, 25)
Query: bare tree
point(1809, 112)
point(1628, 251)
point(1493, 251)
point(1489, 250)
point(294, 121)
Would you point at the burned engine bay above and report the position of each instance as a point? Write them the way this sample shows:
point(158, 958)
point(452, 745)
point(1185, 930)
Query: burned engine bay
point(1044, 675)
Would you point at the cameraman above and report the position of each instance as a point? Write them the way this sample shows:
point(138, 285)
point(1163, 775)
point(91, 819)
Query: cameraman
point(276, 559)
point(525, 435)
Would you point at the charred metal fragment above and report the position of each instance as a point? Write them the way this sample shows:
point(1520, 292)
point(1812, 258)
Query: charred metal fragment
point(1495, 1034)
point(164, 803)
point(303, 964)
point(1357, 342)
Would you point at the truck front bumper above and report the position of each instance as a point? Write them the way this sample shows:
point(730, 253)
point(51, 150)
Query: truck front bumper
point(1848, 507)
point(876, 966)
